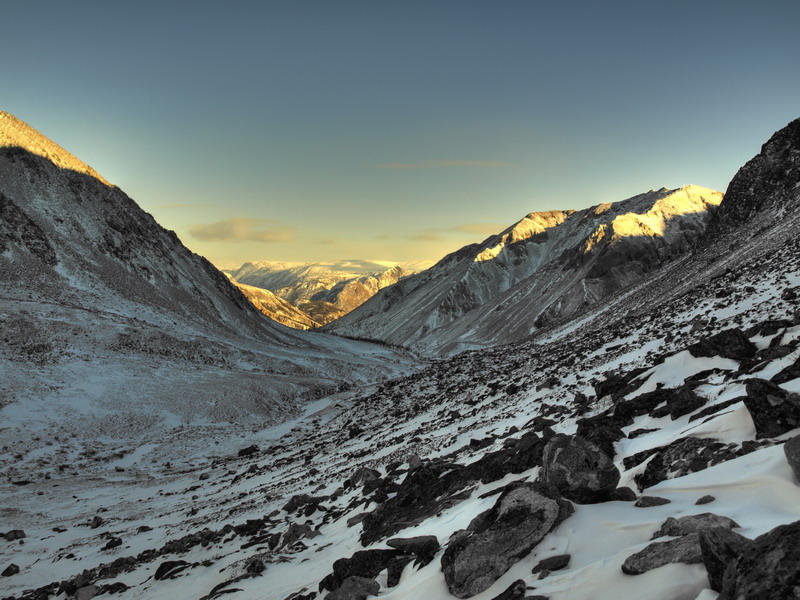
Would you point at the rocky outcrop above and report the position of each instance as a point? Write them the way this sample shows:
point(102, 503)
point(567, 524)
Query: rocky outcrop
point(684, 549)
point(720, 547)
point(774, 410)
point(792, 451)
point(731, 343)
point(578, 469)
point(520, 518)
point(693, 524)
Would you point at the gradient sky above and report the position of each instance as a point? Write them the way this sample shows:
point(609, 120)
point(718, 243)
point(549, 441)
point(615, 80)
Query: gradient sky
point(396, 130)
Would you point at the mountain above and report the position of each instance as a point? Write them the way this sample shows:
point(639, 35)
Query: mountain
point(325, 291)
point(109, 321)
point(648, 449)
point(276, 308)
point(545, 268)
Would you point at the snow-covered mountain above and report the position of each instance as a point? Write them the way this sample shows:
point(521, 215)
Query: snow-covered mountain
point(649, 448)
point(545, 268)
point(108, 321)
point(325, 291)
point(275, 307)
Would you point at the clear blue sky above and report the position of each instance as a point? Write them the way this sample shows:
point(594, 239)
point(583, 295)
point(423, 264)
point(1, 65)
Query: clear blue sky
point(396, 130)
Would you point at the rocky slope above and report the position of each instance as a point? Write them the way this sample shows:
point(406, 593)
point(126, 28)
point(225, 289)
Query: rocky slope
point(276, 308)
point(111, 328)
point(325, 291)
point(546, 268)
point(650, 445)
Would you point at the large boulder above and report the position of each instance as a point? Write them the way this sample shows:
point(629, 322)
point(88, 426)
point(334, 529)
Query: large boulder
point(520, 518)
point(693, 524)
point(731, 343)
point(366, 564)
point(681, 457)
point(792, 451)
point(684, 549)
point(774, 410)
point(424, 547)
point(355, 588)
point(579, 469)
point(720, 547)
point(767, 569)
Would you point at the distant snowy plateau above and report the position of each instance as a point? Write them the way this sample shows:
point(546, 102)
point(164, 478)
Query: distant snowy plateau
point(601, 404)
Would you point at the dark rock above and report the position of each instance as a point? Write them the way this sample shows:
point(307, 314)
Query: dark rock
point(774, 410)
point(789, 373)
point(114, 588)
point(249, 451)
point(731, 343)
point(10, 570)
point(681, 457)
point(520, 518)
point(553, 563)
point(626, 410)
point(768, 568)
point(648, 501)
point(15, 534)
point(705, 499)
point(303, 501)
point(601, 430)
point(424, 547)
point(693, 524)
point(623, 494)
point(616, 385)
point(366, 564)
point(684, 549)
point(169, 568)
point(96, 521)
point(355, 588)
point(710, 410)
point(363, 475)
point(87, 592)
point(579, 469)
point(113, 543)
point(720, 547)
point(791, 449)
point(516, 591)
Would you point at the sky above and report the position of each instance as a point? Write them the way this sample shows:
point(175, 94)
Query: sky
point(315, 131)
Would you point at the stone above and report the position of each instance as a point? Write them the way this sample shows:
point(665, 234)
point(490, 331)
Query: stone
point(355, 588)
point(787, 374)
point(693, 524)
point(720, 547)
point(96, 521)
point(681, 457)
point(648, 501)
point(424, 547)
point(579, 469)
point(774, 410)
point(552, 563)
point(792, 451)
point(362, 475)
point(169, 568)
point(113, 543)
point(249, 451)
point(516, 591)
point(87, 592)
point(366, 564)
point(731, 343)
point(708, 498)
point(520, 518)
point(10, 570)
point(768, 567)
point(623, 494)
point(684, 549)
point(15, 534)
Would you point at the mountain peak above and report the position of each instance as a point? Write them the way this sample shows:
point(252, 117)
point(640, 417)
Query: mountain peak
point(15, 133)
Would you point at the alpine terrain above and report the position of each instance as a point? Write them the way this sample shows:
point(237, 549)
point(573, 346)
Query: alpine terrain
point(625, 424)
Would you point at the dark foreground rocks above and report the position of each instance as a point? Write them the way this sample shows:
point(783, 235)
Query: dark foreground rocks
point(522, 516)
point(579, 469)
point(774, 410)
point(720, 547)
point(684, 549)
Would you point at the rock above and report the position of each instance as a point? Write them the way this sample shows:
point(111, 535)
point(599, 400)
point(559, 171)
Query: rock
point(169, 568)
point(355, 588)
point(681, 457)
point(356, 519)
point(249, 451)
point(113, 543)
point(579, 469)
point(768, 567)
point(303, 501)
point(414, 462)
point(693, 524)
point(87, 592)
point(96, 521)
point(623, 494)
point(774, 410)
point(520, 518)
point(705, 499)
point(553, 563)
point(731, 343)
point(10, 570)
point(424, 547)
point(626, 410)
point(362, 475)
point(791, 449)
point(15, 534)
point(648, 501)
point(787, 374)
point(720, 547)
point(602, 431)
point(684, 549)
point(516, 591)
point(366, 564)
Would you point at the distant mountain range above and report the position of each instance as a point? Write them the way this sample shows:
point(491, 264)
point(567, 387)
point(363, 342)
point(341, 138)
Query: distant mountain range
point(547, 267)
point(323, 292)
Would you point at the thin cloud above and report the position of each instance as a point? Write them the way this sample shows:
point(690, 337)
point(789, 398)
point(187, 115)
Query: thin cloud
point(182, 205)
point(437, 164)
point(478, 228)
point(239, 229)
point(426, 236)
